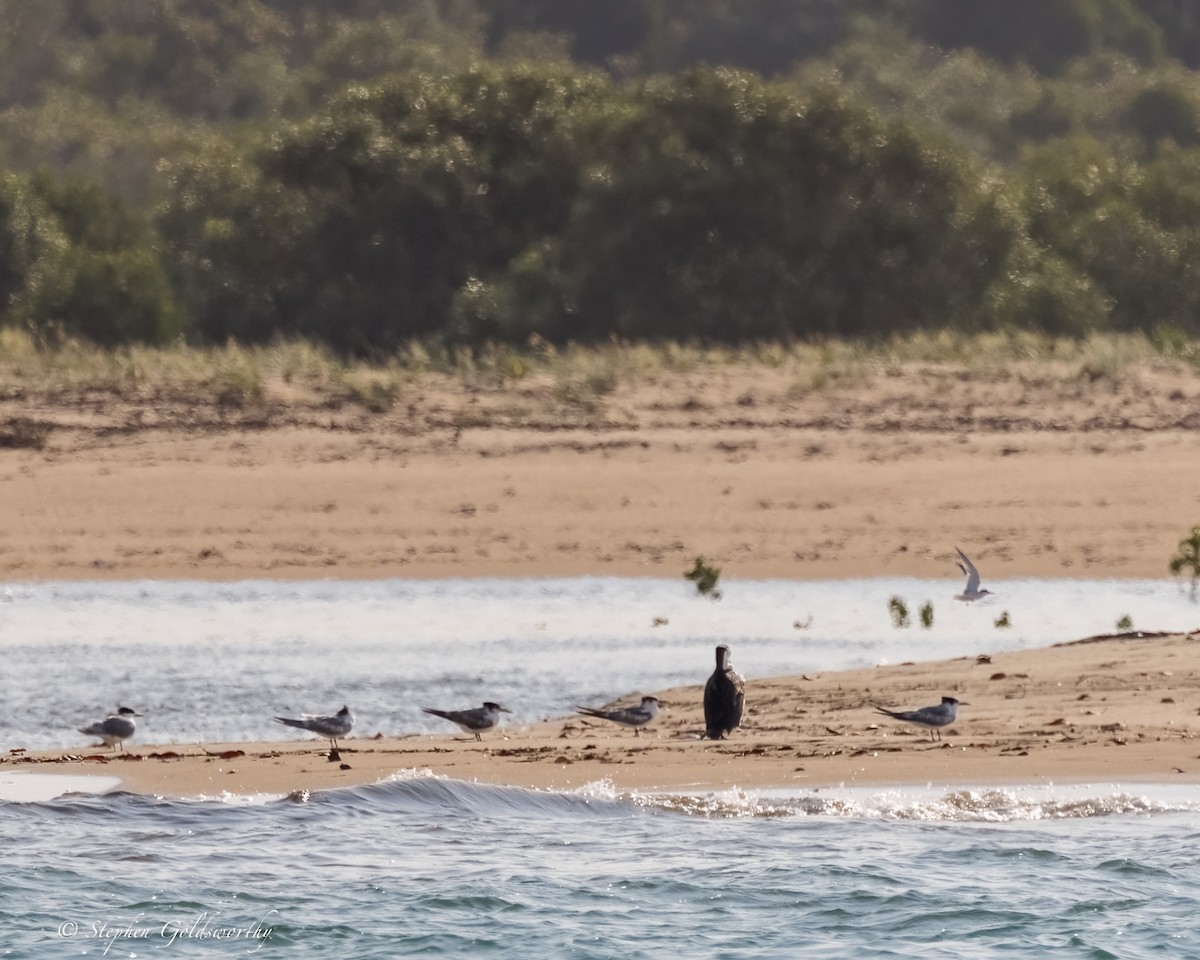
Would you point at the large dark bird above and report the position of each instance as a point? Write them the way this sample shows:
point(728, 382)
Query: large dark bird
point(724, 697)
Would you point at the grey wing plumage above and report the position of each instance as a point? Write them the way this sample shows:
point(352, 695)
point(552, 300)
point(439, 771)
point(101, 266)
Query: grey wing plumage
point(335, 726)
point(967, 567)
point(118, 727)
point(938, 715)
point(630, 716)
point(474, 719)
point(614, 715)
point(454, 716)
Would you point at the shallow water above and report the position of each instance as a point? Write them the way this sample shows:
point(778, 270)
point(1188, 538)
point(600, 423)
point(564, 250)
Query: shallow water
point(422, 866)
point(215, 662)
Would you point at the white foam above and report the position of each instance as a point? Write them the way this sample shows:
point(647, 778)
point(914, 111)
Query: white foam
point(20, 786)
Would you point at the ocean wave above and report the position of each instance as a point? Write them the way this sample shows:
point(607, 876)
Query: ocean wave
point(415, 790)
point(991, 805)
point(420, 791)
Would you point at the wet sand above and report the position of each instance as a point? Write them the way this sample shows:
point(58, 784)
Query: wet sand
point(1120, 709)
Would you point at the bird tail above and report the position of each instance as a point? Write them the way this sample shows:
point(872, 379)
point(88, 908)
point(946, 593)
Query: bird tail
point(436, 713)
point(291, 723)
point(590, 711)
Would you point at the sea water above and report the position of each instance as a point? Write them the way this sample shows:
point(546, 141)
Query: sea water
point(419, 865)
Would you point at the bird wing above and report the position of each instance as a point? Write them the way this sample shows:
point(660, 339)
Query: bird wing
point(602, 714)
point(968, 568)
point(938, 715)
point(739, 698)
point(473, 719)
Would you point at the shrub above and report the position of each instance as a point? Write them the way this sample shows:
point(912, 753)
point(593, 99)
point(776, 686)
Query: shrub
point(705, 577)
point(1188, 559)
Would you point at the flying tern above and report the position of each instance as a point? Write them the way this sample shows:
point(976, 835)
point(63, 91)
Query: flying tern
point(971, 591)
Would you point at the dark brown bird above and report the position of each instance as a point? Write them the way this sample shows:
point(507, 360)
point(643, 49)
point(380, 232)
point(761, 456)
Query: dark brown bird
point(724, 697)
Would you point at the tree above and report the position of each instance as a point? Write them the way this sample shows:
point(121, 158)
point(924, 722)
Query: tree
point(720, 207)
point(416, 186)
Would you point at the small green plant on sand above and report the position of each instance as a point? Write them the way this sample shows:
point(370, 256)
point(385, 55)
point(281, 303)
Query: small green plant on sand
point(927, 614)
point(705, 577)
point(1125, 624)
point(899, 611)
point(1188, 559)
point(1003, 622)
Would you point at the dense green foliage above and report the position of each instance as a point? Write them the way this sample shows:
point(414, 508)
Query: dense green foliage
point(370, 172)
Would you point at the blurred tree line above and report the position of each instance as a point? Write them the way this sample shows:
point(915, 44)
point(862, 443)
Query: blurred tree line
point(371, 171)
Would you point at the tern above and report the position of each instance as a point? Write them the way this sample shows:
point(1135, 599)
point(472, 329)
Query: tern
point(724, 698)
point(931, 718)
point(635, 717)
point(339, 725)
point(114, 728)
point(475, 720)
point(971, 591)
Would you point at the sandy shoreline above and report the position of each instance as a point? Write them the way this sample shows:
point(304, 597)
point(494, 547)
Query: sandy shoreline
point(879, 473)
point(1119, 709)
point(882, 472)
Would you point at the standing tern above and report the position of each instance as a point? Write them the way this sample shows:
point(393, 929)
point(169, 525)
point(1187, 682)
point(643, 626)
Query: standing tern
point(635, 717)
point(114, 728)
point(971, 591)
point(931, 718)
point(339, 725)
point(473, 721)
point(724, 698)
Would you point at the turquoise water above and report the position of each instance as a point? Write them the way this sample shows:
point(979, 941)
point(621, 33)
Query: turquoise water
point(436, 868)
point(421, 866)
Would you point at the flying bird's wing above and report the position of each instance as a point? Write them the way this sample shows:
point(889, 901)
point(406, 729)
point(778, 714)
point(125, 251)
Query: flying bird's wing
point(967, 567)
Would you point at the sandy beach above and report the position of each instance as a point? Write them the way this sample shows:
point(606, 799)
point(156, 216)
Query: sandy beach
point(1118, 709)
point(1034, 477)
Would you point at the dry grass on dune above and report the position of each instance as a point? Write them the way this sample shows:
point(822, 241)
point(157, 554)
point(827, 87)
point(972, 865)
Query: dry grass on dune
point(945, 380)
